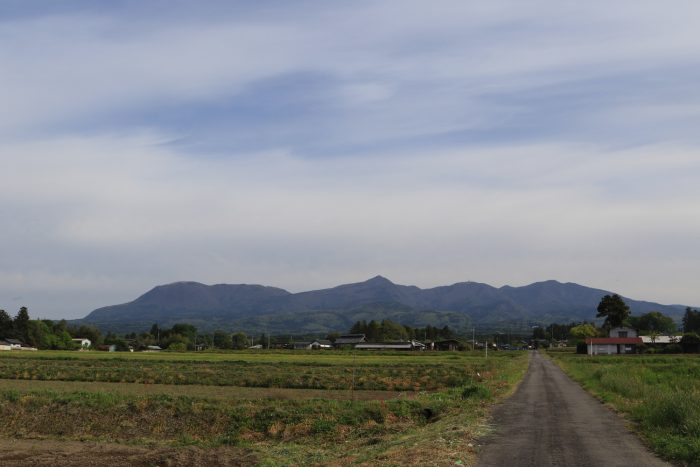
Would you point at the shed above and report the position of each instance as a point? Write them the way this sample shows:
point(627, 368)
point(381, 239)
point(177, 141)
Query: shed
point(612, 345)
point(349, 340)
point(410, 345)
point(448, 344)
point(83, 342)
point(14, 344)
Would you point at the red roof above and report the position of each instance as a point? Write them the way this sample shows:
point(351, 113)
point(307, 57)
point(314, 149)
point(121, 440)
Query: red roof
point(614, 340)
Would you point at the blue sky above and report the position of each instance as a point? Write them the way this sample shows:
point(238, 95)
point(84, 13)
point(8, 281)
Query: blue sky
point(306, 144)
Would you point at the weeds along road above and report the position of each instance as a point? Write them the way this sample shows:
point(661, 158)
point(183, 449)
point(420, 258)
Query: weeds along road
point(552, 421)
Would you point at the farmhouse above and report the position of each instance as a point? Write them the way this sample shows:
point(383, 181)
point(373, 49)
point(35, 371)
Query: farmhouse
point(314, 345)
point(621, 340)
point(4, 345)
point(349, 340)
point(410, 345)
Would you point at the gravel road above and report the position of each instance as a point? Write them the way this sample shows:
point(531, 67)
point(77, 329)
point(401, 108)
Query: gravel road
point(552, 421)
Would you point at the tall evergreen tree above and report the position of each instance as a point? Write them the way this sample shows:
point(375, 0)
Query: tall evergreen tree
point(20, 324)
point(691, 320)
point(614, 309)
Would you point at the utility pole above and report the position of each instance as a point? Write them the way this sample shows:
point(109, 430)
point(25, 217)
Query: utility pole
point(473, 340)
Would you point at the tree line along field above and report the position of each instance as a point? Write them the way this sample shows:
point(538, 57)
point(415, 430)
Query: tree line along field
point(440, 408)
point(660, 394)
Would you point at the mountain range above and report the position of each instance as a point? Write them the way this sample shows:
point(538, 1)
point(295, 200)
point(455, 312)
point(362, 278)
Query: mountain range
point(258, 308)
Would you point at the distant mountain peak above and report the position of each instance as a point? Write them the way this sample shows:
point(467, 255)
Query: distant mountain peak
point(379, 280)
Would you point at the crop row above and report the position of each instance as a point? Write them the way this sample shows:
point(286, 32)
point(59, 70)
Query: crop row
point(420, 377)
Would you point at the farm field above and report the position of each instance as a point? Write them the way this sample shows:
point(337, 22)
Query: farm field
point(660, 394)
point(267, 408)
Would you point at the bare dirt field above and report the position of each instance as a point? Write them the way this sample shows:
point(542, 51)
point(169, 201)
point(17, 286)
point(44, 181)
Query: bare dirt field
point(23, 453)
point(552, 421)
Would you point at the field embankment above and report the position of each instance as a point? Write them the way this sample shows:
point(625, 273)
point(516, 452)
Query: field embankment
point(660, 394)
point(99, 399)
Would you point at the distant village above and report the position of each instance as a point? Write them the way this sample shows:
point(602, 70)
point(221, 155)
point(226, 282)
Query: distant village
point(620, 334)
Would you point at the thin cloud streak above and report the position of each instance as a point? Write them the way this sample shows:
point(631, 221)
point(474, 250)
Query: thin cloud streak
point(304, 145)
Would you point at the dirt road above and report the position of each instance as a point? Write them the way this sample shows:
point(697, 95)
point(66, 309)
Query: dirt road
point(552, 421)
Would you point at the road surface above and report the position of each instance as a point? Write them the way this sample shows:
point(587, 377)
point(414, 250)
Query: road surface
point(552, 421)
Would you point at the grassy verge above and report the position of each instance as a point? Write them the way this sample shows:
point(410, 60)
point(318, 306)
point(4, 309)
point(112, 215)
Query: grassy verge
point(660, 394)
point(431, 427)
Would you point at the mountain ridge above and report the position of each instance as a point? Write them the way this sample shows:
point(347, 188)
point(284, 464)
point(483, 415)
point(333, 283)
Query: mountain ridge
point(462, 305)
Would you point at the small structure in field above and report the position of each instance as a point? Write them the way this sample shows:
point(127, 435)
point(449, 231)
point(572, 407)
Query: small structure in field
point(621, 340)
point(107, 347)
point(661, 341)
point(321, 344)
point(152, 348)
point(349, 340)
point(83, 342)
point(15, 344)
point(4, 345)
point(409, 345)
point(448, 344)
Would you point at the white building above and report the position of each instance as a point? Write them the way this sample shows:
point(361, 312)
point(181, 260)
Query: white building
point(83, 342)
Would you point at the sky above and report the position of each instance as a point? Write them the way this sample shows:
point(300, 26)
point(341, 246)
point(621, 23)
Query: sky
point(305, 144)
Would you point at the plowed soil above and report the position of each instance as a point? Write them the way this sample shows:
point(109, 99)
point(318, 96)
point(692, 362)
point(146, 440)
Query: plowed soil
point(16, 453)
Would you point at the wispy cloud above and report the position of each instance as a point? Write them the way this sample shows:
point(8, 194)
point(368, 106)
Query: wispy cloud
point(307, 144)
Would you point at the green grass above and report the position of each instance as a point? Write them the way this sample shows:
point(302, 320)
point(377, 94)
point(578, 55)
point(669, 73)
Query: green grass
point(660, 394)
point(430, 427)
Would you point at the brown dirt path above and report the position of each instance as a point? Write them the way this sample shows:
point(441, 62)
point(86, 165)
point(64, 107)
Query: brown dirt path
point(552, 421)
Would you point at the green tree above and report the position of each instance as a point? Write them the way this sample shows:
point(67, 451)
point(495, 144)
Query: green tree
point(222, 339)
point(38, 334)
point(583, 330)
point(20, 324)
point(391, 331)
point(5, 325)
point(690, 342)
point(614, 309)
point(691, 320)
point(373, 331)
point(239, 341)
point(178, 340)
point(186, 330)
point(653, 321)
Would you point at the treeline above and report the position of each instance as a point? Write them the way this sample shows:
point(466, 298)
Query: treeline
point(650, 323)
point(42, 333)
point(184, 336)
point(387, 330)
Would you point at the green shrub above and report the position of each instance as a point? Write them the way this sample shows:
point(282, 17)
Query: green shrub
point(476, 392)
